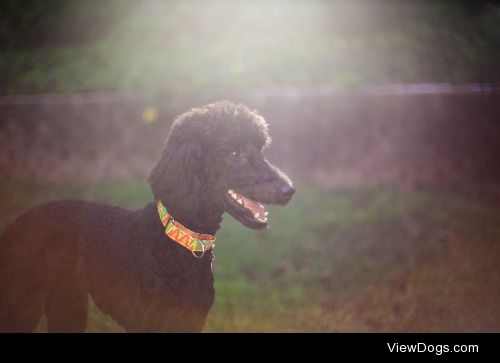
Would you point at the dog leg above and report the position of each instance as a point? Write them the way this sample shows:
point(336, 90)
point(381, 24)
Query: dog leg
point(66, 306)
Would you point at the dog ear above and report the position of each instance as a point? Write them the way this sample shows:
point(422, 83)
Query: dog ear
point(177, 175)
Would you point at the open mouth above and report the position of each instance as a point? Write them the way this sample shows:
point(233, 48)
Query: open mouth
point(247, 211)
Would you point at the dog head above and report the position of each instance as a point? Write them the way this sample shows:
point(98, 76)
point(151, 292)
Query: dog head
point(214, 154)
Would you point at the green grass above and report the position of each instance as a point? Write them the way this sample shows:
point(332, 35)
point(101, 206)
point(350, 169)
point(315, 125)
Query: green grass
point(345, 259)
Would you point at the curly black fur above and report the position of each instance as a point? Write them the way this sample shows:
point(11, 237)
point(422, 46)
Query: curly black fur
point(57, 253)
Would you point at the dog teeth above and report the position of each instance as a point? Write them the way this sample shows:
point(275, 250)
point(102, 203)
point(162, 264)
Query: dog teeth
point(259, 218)
point(233, 194)
point(239, 200)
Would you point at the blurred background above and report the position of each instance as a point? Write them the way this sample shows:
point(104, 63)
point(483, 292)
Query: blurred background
point(386, 114)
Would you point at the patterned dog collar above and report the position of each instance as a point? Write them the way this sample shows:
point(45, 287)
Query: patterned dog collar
point(197, 243)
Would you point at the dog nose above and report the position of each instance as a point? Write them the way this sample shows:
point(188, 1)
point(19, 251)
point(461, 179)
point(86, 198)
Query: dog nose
point(287, 190)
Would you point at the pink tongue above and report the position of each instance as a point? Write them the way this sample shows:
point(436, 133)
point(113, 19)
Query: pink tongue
point(253, 206)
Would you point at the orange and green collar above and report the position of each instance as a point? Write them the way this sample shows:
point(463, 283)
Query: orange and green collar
point(197, 243)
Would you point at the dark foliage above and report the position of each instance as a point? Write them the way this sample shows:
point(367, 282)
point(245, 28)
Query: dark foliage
point(38, 23)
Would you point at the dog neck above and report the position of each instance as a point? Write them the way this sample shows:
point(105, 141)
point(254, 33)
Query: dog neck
point(198, 215)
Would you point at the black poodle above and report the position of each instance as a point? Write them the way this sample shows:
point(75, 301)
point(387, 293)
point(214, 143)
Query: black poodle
point(149, 269)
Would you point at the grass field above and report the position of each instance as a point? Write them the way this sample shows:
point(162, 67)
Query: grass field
point(344, 259)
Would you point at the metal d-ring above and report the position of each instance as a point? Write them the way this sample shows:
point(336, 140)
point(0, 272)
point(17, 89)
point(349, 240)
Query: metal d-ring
point(202, 250)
